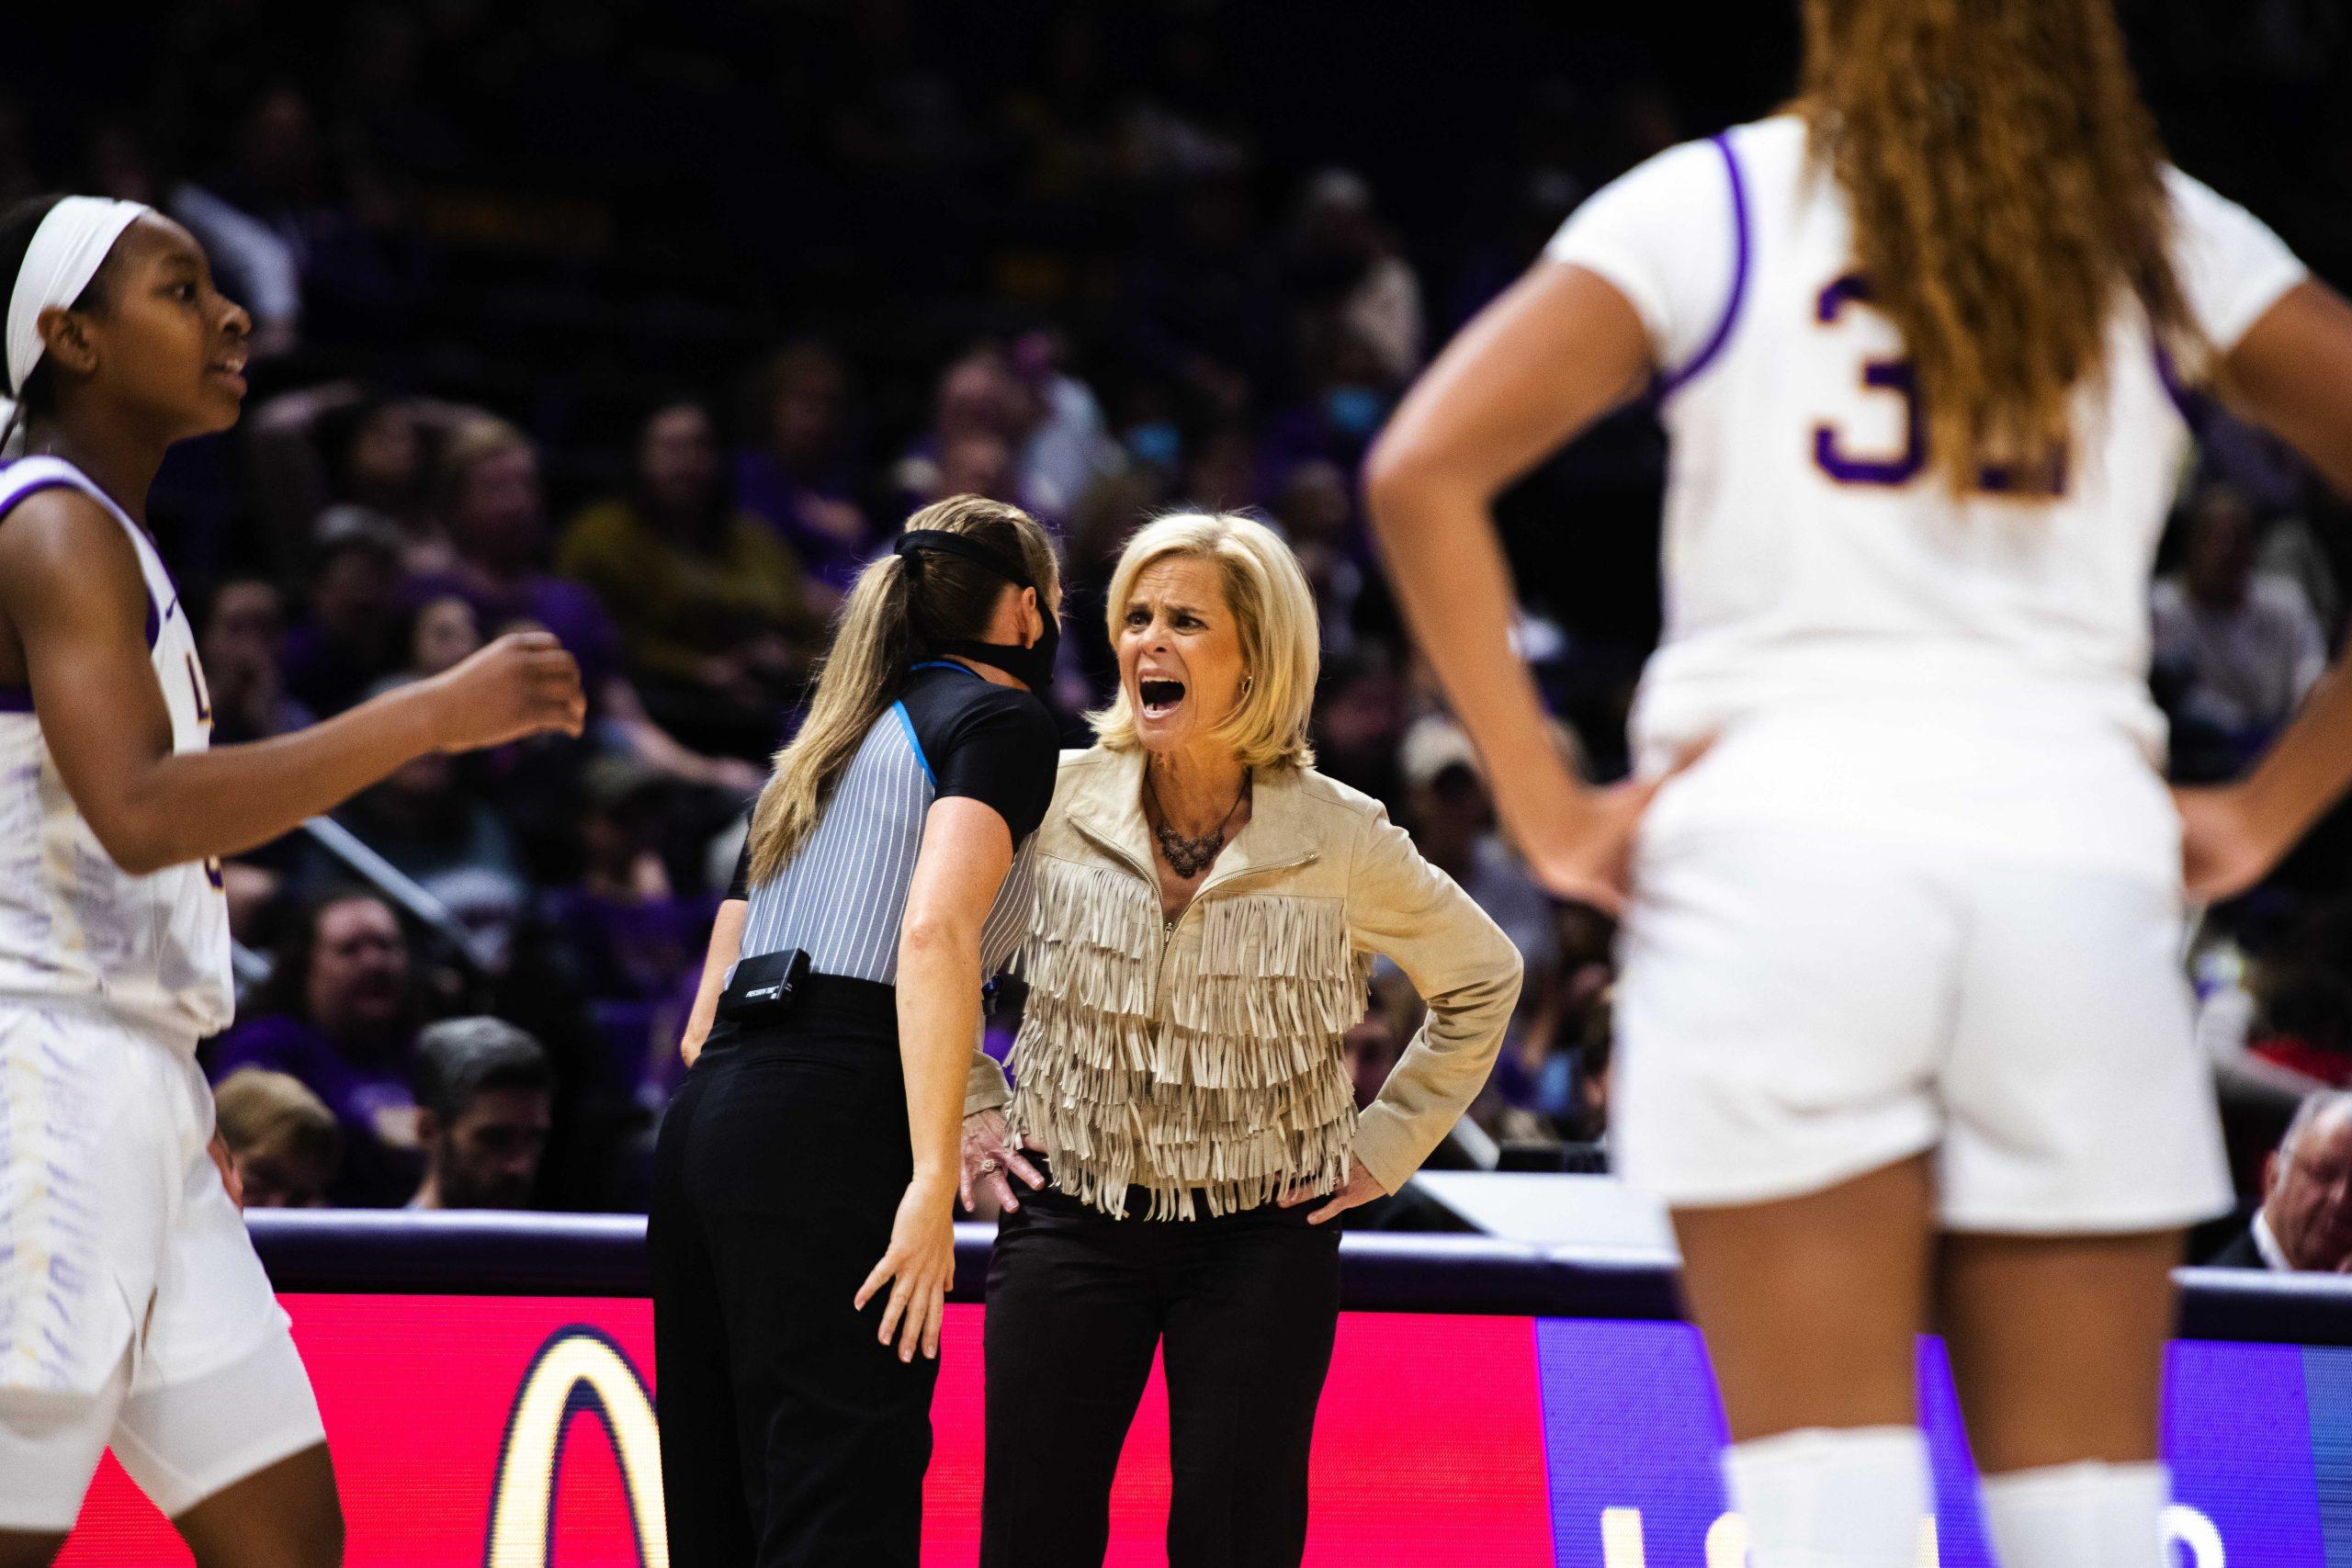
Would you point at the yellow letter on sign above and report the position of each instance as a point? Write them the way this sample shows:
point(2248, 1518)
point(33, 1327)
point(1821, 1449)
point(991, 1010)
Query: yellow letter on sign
point(577, 1369)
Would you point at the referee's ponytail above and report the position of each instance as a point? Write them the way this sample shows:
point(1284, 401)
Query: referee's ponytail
point(893, 614)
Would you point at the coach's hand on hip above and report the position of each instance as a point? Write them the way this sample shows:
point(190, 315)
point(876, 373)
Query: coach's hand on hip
point(991, 1158)
point(1361, 1187)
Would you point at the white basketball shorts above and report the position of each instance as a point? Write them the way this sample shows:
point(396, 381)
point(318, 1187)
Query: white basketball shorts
point(1799, 1007)
point(133, 1312)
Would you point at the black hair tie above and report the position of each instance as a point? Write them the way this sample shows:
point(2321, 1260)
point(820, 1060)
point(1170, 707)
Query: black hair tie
point(909, 544)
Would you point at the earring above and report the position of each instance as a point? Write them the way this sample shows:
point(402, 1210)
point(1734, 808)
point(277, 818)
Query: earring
point(1247, 682)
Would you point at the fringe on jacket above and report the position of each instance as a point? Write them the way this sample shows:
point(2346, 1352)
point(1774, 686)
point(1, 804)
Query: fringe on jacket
point(1211, 1070)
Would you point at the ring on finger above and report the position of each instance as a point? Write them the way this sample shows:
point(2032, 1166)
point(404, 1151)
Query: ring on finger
point(988, 1165)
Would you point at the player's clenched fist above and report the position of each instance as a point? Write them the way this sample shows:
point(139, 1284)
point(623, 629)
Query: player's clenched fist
point(524, 683)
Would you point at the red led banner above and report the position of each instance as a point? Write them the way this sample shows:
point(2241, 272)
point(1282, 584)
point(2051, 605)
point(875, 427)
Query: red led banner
point(517, 1432)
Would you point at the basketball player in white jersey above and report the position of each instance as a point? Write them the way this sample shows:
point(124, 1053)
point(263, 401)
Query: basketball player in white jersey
point(1903, 1041)
point(133, 1312)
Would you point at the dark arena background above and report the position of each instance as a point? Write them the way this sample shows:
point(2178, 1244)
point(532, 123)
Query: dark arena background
point(572, 282)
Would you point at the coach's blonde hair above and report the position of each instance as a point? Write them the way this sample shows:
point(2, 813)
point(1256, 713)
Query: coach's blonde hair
point(2007, 188)
point(891, 617)
point(1274, 610)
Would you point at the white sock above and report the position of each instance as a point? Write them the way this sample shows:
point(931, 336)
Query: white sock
point(1848, 1497)
point(2079, 1516)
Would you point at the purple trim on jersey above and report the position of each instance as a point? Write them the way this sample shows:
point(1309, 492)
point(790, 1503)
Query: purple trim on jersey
point(1673, 383)
point(16, 699)
point(155, 616)
point(2196, 409)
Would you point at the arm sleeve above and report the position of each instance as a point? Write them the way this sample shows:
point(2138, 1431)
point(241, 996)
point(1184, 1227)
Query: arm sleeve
point(1002, 751)
point(2231, 267)
point(1665, 235)
point(1464, 968)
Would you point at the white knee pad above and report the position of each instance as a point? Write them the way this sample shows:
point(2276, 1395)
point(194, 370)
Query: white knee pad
point(2079, 1516)
point(1848, 1498)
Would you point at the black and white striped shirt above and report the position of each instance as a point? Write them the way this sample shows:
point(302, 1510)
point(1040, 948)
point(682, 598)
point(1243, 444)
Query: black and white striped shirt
point(842, 897)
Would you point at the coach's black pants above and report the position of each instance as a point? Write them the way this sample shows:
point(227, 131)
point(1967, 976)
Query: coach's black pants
point(1242, 1308)
point(789, 1436)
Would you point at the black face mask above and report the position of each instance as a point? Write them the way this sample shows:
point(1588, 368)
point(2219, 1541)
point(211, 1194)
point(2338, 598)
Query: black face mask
point(1032, 666)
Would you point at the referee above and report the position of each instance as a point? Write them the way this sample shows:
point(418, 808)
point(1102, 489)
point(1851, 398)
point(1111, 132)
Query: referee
point(801, 1230)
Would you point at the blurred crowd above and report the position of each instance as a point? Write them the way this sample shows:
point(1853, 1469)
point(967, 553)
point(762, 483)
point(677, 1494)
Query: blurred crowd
point(648, 324)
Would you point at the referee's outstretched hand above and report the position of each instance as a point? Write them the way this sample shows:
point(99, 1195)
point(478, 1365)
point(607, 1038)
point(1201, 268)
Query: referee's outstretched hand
point(918, 1269)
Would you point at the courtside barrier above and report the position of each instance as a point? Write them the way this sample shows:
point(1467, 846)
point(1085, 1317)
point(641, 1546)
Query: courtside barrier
point(364, 1250)
point(488, 1383)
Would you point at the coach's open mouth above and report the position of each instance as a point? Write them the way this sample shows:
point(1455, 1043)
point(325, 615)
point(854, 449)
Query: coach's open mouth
point(1159, 697)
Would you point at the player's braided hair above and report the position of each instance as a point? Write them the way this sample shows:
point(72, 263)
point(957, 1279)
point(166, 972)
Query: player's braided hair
point(2007, 186)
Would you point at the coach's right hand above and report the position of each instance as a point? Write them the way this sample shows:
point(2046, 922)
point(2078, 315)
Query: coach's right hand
point(524, 683)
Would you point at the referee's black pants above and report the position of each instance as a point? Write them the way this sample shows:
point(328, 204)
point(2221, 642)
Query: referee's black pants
point(1242, 1308)
point(790, 1438)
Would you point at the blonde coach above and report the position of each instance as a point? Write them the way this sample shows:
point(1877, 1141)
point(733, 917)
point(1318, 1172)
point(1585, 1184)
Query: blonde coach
point(1208, 910)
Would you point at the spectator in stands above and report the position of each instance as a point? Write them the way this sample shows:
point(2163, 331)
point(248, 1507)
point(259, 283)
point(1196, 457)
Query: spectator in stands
point(2235, 649)
point(712, 603)
point(350, 639)
point(484, 1096)
point(2305, 1223)
point(338, 1013)
point(1066, 444)
point(2302, 987)
point(1346, 398)
point(431, 820)
point(1343, 260)
point(283, 1141)
point(1371, 1048)
point(1453, 822)
point(1221, 467)
point(491, 501)
point(799, 474)
point(1359, 723)
point(239, 644)
point(340, 443)
point(1317, 513)
point(1202, 306)
point(632, 935)
point(978, 417)
point(241, 631)
point(973, 464)
point(1539, 1092)
point(442, 634)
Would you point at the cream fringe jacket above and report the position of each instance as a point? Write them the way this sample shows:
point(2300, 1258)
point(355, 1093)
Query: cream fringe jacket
point(1206, 1055)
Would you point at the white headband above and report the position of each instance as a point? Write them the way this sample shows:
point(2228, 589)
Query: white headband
point(66, 253)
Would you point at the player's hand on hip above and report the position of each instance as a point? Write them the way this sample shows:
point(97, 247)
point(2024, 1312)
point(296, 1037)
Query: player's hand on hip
point(1585, 853)
point(524, 683)
point(234, 1184)
point(991, 1161)
point(2223, 850)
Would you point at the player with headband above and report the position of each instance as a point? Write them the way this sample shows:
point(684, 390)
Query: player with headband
point(133, 1312)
